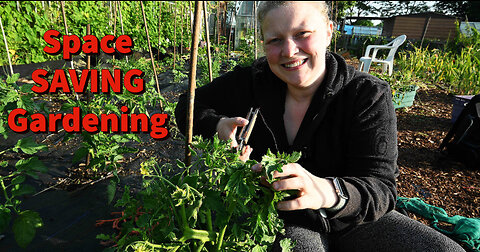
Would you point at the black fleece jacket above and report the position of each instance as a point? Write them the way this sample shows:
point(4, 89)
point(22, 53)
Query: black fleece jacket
point(349, 131)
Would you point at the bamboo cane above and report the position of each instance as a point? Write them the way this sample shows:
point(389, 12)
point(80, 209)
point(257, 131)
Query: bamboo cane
point(89, 98)
point(193, 70)
point(151, 54)
point(114, 24)
point(89, 64)
point(6, 46)
point(174, 34)
point(159, 29)
point(62, 3)
point(121, 22)
point(182, 17)
point(207, 35)
point(109, 13)
point(255, 28)
point(190, 15)
point(218, 24)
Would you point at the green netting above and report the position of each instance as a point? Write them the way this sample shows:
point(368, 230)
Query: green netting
point(466, 230)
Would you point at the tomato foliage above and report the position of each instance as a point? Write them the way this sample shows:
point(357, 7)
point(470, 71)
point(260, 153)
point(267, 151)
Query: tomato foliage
point(216, 204)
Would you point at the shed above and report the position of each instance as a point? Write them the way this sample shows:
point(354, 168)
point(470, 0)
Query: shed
point(244, 20)
point(434, 25)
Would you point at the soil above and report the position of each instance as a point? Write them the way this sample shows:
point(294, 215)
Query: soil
point(424, 172)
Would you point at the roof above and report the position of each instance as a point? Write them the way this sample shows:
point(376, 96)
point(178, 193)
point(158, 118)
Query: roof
point(427, 14)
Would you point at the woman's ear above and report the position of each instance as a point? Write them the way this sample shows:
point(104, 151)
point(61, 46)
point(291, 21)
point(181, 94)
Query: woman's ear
point(329, 32)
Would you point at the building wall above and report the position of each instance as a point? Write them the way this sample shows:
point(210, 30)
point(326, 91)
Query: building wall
point(413, 27)
point(441, 28)
point(410, 26)
point(388, 27)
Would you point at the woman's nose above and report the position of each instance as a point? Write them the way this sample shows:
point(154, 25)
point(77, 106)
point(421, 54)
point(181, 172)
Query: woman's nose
point(289, 48)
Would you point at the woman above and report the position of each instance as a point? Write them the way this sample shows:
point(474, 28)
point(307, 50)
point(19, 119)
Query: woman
point(343, 122)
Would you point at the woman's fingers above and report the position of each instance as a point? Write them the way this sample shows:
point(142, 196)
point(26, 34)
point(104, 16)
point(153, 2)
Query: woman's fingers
point(227, 128)
point(303, 202)
point(257, 167)
point(245, 155)
point(292, 169)
point(291, 183)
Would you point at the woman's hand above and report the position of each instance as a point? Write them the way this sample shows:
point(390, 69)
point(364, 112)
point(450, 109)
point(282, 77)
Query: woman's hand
point(227, 129)
point(313, 192)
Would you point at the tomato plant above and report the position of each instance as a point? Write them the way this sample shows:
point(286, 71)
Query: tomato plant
point(12, 186)
point(216, 204)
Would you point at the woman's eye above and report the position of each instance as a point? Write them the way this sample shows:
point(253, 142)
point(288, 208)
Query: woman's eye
point(303, 34)
point(274, 40)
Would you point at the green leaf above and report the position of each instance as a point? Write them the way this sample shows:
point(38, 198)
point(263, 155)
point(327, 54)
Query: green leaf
point(29, 146)
point(24, 227)
point(294, 157)
point(22, 189)
point(79, 155)
point(18, 180)
point(31, 164)
point(103, 237)
point(5, 218)
point(143, 220)
point(287, 245)
point(259, 248)
point(111, 189)
point(13, 78)
point(26, 88)
point(4, 164)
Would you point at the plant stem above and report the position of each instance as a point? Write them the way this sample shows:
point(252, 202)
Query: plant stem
point(209, 221)
point(7, 199)
point(183, 215)
point(222, 232)
point(200, 247)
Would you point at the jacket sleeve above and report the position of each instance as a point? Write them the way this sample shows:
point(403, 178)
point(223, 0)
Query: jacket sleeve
point(372, 155)
point(220, 98)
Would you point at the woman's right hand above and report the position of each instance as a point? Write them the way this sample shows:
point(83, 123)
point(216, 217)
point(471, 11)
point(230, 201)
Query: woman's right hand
point(227, 129)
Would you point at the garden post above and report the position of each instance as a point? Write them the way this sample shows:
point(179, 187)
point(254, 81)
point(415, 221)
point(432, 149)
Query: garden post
point(174, 34)
point(425, 28)
point(255, 28)
point(207, 36)
point(121, 21)
point(159, 29)
point(6, 46)
point(151, 54)
point(115, 5)
point(192, 76)
point(62, 3)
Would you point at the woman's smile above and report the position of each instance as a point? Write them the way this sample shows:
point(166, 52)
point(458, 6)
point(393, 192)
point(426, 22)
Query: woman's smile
point(294, 65)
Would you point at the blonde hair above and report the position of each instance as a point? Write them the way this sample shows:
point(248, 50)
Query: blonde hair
point(265, 6)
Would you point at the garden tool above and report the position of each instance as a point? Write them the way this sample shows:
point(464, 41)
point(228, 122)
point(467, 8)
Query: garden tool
point(246, 130)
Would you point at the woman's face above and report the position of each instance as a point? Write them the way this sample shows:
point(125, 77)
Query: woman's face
point(296, 37)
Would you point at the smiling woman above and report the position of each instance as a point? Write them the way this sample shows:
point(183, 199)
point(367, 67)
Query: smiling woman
point(341, 120)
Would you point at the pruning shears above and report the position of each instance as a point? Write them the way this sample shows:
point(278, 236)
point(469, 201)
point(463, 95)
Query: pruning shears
point(246, 130)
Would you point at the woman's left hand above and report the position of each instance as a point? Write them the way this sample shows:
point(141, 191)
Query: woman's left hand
point(314, 192)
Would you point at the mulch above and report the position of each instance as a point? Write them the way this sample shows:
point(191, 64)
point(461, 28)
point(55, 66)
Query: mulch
point(425, 172)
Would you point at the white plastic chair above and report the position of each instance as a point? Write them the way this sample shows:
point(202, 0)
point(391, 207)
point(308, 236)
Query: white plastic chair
point(367, 60)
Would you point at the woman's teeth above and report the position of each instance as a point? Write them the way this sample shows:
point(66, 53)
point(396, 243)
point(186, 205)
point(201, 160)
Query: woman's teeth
point(295, 64)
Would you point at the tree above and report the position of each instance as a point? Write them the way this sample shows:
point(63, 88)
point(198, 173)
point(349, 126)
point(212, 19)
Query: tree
point(393, 8)
point(361, 8)
point(461, 9)
point(363, 23)
point(455, 8)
